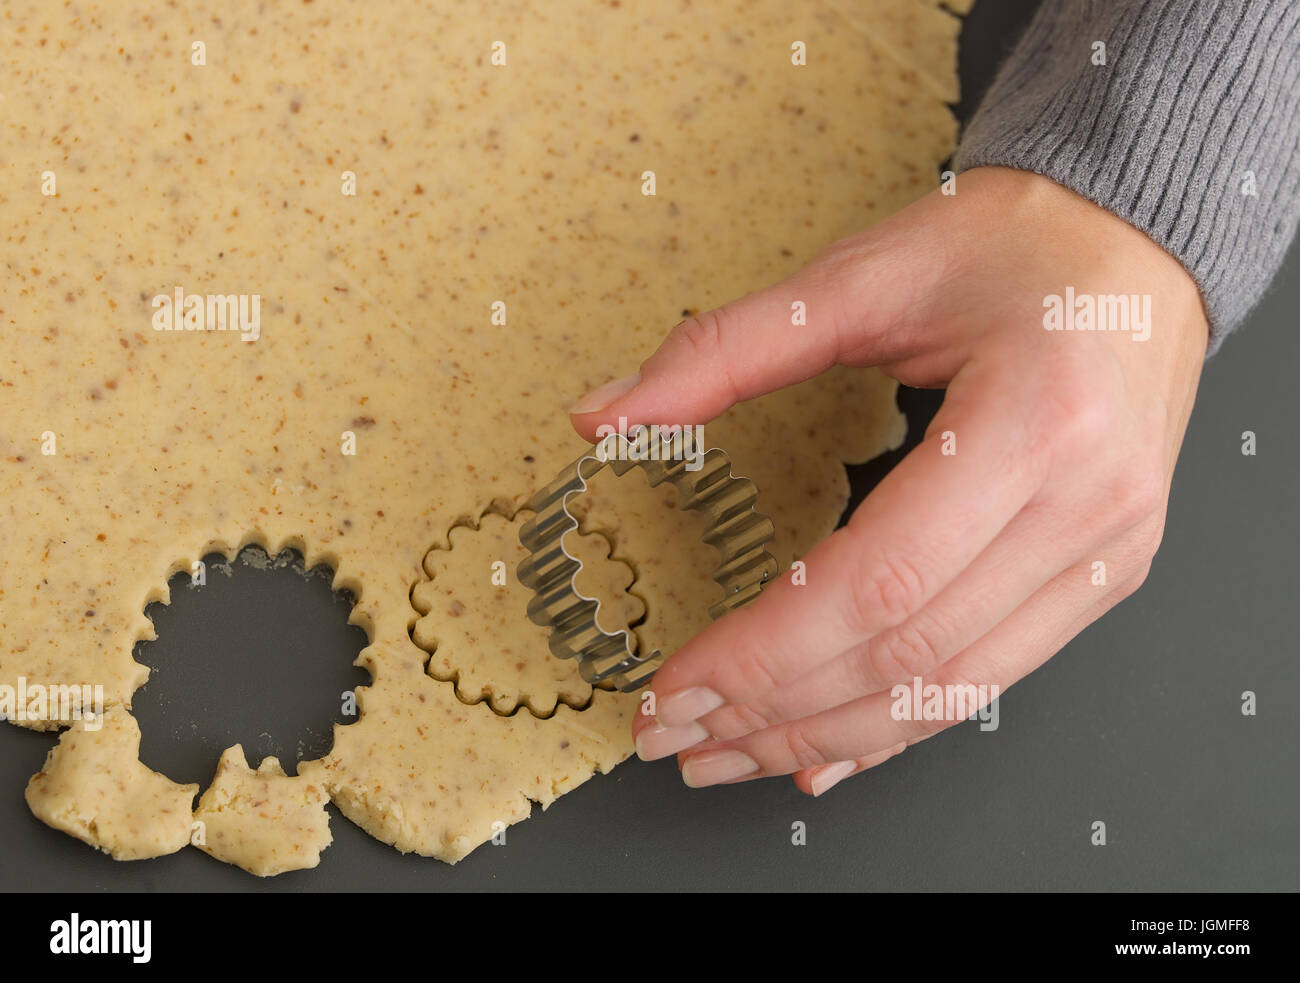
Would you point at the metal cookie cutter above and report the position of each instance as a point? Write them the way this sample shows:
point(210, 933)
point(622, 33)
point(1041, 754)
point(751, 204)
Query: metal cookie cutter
point(739, 533)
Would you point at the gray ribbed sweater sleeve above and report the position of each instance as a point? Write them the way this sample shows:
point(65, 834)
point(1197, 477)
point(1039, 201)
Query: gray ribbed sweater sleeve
point(1190, 131)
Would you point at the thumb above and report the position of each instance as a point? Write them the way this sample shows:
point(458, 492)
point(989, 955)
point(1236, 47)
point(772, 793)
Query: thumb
point(845, 306)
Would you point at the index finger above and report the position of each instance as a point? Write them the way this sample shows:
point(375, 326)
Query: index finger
point(856, 304)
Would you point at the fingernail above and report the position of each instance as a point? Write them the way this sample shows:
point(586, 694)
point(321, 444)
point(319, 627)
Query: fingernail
point(712, 767)
point(658, 742)
point(828, 776)
point(681, 708)
point(599, 398)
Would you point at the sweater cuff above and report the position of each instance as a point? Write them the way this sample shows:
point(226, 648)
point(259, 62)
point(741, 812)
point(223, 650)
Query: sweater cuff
point(1179, 116)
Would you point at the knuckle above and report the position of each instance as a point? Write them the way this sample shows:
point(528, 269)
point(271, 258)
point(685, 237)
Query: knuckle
point(1132, 580)
point(1141, 493)
point(1150, 534)
point(922, 727)
point(899, 748)
point(900, 654)
point(963, 696)
point(1129, 586)
point(702, 334)
point(1074, 416)
point(752, 674)
point(745, 718)
point(840, 259)
point(929, 728)
point(1112, 598)
point(1143, 572)
point(1140, 573)
point(884, 593)
point(702, 338)
point(801, 750)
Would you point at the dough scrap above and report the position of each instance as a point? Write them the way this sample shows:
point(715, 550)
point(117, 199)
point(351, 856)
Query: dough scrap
point(94, 787)
point(262, 821)
point(475, 184)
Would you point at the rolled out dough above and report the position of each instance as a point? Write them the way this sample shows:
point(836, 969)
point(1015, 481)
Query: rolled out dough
point(497, 260)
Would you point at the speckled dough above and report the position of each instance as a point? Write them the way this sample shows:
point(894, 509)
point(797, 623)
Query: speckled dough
point(263, 821)
point(94, 787)
point(497, 259)
point(471, 607)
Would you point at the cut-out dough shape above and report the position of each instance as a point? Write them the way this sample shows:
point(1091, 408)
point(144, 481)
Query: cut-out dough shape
point(263, 821)
point(497, 259)
point(471, 607)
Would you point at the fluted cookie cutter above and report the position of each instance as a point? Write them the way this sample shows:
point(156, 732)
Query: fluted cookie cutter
point(738, 532)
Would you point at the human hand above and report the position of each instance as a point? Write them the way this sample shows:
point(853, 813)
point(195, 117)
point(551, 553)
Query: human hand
point(962, 568)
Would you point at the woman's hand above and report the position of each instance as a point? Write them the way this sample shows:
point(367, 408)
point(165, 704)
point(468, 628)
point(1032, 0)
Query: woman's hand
point(981, 554)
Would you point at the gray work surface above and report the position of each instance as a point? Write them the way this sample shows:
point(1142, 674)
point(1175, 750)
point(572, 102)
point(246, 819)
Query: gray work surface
point(1136, 723)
